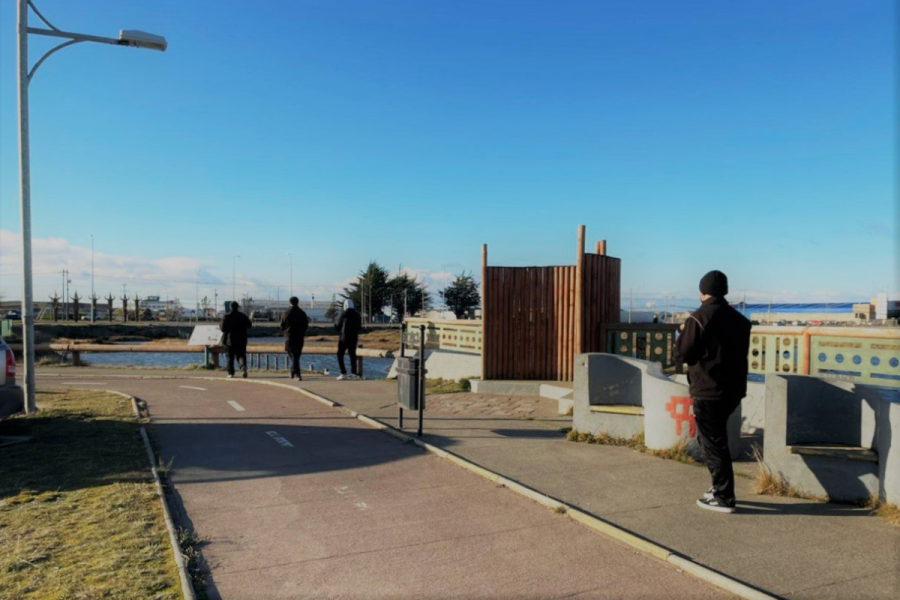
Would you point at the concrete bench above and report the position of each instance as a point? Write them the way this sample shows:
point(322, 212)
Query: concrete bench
point(622, 397)
point(833, 438)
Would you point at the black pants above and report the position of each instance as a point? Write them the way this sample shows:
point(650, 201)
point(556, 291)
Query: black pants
point(294, 350)
point(240, 353)
point(349, 348)
point(712, 434)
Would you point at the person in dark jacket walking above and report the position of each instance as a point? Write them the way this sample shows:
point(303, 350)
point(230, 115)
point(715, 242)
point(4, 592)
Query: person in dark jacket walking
point(714, 342)
point(349, 325)
point(294, 324)
point(235, 326)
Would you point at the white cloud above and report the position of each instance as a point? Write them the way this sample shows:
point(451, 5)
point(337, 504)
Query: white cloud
point(171, 276)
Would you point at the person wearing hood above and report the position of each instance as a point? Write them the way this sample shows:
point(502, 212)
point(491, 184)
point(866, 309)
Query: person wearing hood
point(349, 325)
point(294, 324)
point(235, 326)
point(714, 342)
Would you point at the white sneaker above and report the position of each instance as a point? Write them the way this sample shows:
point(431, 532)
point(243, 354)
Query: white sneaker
point(341, 377)
point(715, 505)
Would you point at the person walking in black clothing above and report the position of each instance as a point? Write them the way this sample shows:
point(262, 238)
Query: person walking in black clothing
point(294, 324)
point(349, 325)
point(714, 342)
point(235, 326)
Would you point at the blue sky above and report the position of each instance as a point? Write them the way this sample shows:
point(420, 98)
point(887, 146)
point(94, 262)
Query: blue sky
point(752, 137)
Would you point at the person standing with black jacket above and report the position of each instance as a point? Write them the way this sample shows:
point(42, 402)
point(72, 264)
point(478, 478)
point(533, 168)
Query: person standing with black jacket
point(349, 325)
point(235, 326)
point(294, 324)
point(714, 342)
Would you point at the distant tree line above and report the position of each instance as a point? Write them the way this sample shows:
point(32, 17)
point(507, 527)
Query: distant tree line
point(375, 289)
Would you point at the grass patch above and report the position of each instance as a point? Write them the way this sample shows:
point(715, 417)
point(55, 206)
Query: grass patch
point(79, 514)
point(678, 452)
point(447, 386)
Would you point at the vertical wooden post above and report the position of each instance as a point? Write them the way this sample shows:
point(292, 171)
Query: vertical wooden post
point(485, 342)
point(601, 247)
point(579, 292)
point(76, 358)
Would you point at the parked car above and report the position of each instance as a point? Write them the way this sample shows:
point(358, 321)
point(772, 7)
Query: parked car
point(13, 314)
point(12, 396)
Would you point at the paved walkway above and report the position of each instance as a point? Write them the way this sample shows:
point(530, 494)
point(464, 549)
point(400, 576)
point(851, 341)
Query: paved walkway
point(298, 500)
point(796, 549)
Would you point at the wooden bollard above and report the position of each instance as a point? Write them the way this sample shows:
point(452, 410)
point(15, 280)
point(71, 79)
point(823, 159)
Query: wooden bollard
point(76, 358)
point(359, 366)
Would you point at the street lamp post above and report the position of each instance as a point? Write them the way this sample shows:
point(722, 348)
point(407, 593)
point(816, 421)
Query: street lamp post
point(233, 277)
point(137, 39)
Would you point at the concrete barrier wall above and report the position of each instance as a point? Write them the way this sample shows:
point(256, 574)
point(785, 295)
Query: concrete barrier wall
point(630, 396)
point(442, 364)
point(833, 438)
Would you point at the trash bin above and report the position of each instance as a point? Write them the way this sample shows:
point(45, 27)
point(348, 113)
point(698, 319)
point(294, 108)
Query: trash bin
point(408, 382)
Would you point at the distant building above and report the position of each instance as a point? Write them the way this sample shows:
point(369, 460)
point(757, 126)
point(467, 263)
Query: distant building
point(885, 307)
point(879, 309)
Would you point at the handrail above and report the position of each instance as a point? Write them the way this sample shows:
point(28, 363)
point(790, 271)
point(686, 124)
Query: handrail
point(455, 335)
point(179, 349)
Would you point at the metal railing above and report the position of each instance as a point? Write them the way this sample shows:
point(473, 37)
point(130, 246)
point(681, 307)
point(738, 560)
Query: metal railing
point(864, 354)
point(647, 341)
point(259, 356)
point(869, 355)
point(453, 335)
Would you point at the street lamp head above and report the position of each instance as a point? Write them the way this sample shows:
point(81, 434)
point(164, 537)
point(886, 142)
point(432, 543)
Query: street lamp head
point(142, 39)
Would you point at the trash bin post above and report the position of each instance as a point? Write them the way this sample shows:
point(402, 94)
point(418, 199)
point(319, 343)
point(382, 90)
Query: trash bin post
point(421, 377)
point(402, 355)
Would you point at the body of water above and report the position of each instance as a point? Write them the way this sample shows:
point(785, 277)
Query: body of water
point(374, 368)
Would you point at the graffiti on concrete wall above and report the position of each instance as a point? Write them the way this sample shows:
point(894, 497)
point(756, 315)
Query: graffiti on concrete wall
point(681, 410)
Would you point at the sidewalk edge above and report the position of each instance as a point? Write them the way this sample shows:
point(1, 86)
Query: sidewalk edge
point(187, 587)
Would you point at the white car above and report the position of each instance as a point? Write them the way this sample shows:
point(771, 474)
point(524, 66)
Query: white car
point(12, 397)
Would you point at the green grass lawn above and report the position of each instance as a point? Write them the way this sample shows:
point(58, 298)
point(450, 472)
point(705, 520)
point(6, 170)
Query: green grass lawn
point(79, 514)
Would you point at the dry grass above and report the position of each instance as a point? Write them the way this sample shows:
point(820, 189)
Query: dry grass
point(768, 483)
point(79, 515)
point(678, 452)
point(889, 512)
point(447, 386)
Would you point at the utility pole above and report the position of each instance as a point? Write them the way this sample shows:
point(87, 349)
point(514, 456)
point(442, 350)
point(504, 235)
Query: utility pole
point(630, 304)
point(233, 277)
point(291, 258)
point(92, 279)
point(197, 310)
point(215, 302)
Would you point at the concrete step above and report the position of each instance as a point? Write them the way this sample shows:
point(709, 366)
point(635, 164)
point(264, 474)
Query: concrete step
point(559, 391)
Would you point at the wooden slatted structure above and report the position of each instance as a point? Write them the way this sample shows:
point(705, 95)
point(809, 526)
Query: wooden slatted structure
point(536, 319)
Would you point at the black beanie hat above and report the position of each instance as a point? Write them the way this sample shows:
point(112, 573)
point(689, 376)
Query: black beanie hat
point(714, 283)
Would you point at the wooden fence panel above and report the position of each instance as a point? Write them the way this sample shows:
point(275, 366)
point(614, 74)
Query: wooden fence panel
point(531, 330)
